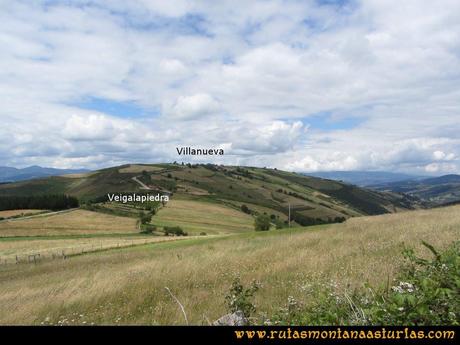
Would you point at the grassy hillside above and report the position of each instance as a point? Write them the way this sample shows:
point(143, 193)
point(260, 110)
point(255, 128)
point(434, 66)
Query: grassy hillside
point(127, 286)
point(196, 217)
point(74, 222)
point(313, 200)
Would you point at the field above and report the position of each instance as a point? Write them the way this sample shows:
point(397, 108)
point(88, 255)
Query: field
point(127, 286)
point(196, 216)
point(75, 222)
point(50, 248)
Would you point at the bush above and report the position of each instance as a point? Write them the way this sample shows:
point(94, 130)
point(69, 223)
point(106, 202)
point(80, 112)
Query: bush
point(245, 209)
point(427, 293)
point(174, 230)
point(145, 218)
point(262, 223)
point(239, 298)
point(148, 228)
point(203, 233)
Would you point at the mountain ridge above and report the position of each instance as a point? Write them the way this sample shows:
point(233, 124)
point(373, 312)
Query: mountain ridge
point(11, 174)
point(435, 190)
point(364, 178)
point(312, 200)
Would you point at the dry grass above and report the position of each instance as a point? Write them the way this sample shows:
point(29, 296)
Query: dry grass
point(75, 222)
point(135, 168)
point(128, 286)
point(196, 216)
point(12, 213)
point(78, 175)
point(11, 249)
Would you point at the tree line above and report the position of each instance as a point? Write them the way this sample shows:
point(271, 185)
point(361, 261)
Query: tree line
point(41, 202)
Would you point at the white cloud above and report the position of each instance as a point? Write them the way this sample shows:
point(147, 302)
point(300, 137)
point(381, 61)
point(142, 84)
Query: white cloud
point(250, 75)
point(194, 106)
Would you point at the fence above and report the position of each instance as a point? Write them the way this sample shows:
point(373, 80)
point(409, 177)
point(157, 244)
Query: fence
point(64, 253)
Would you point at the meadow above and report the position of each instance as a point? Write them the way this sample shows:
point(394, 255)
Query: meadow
point(73, 222)
point(127, 286)
point(198, 216)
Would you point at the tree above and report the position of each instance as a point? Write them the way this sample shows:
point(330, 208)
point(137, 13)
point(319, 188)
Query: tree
point(245, 209)
point(145, 218)
point(262, 223)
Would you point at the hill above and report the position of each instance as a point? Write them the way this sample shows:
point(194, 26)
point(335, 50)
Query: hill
point(312, 200)
point(9, 174)
point(436, 190)
point(364, 178)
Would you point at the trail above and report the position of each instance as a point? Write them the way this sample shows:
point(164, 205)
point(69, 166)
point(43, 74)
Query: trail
point(39, 215)
point(142, 184)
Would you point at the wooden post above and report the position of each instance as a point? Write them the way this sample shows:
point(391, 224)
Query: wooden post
point(289, 220)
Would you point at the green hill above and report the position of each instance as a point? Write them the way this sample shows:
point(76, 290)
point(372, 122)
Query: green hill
point(312, 200)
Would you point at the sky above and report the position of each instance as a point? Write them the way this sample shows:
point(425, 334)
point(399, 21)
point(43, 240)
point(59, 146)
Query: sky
point(296, 85)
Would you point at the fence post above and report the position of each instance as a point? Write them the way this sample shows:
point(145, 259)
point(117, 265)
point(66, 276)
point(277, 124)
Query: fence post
point(17, 259)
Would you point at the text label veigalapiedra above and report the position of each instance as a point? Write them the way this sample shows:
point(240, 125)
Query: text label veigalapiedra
point(123, 198)
point(190, 151)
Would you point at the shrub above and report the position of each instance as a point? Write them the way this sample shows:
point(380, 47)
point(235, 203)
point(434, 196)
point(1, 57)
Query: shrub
point(203, 233)
point(262, 223)
point(427, 293)
point(240, 298)
point(145, 218)
point(245, 209)
point(148, 228)
point(174, 230)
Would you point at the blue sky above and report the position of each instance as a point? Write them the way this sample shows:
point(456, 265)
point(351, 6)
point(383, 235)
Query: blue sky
point(297, 85)
point(115, 108)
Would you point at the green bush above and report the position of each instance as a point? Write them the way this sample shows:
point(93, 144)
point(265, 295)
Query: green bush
point(262, 223)
point(148, 228)
point(174, 230)
point(240, 298)
point(145, 218)
point(427, 293)
point(245, 209)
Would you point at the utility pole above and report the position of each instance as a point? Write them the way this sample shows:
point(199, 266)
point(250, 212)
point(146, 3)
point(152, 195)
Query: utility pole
point(289, 220)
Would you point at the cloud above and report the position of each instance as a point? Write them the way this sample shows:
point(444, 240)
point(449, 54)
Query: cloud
point(249, 75)
point(194, 106)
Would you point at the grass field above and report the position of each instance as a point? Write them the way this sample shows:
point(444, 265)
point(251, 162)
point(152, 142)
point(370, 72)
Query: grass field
point(127, 286)
point(138, 168)
point(12, 213)
point(68, 223)
point(10, 249)
point(196, 216)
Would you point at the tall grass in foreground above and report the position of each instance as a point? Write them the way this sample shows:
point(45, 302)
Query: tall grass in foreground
point(128, 286)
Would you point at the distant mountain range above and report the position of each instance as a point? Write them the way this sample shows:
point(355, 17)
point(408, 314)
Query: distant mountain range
point(364, 178)
point(437, 190)
point(9, 174)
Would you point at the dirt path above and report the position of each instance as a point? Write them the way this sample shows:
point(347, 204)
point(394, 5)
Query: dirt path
point(142, 184)
point(39, 215)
